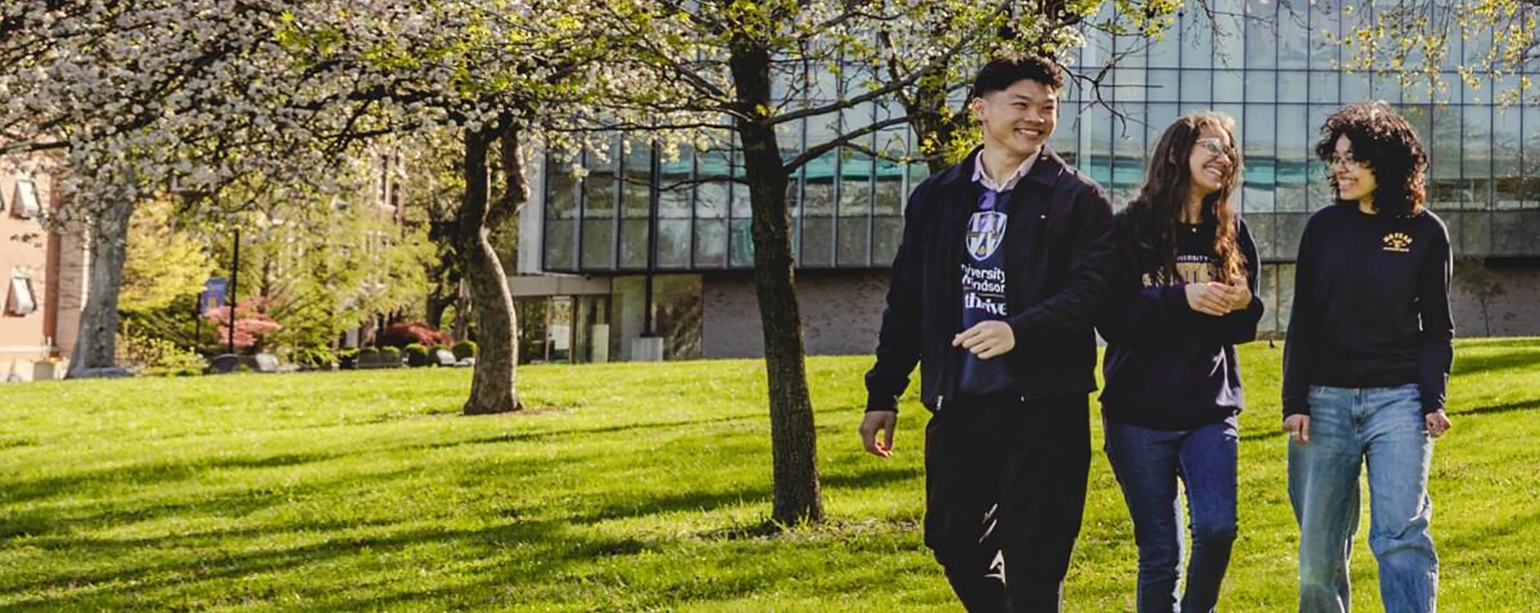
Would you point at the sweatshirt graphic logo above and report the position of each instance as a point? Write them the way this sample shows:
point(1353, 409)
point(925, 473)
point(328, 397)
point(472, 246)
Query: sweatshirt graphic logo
point(986, 229)
point(1398, 242)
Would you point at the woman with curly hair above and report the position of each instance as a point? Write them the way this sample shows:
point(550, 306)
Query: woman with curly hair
point(1366, 365)
point(1186, 296)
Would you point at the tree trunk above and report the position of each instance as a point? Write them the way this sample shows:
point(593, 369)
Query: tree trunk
point(493, 383)
point(935, 125)
point(793, 442)
point(97, 345)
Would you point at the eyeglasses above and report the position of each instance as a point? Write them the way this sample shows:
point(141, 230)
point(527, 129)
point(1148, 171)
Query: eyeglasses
point(1347, 161)
point(1214, 147)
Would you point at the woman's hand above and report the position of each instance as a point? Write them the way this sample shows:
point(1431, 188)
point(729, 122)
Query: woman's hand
point(1437, 423)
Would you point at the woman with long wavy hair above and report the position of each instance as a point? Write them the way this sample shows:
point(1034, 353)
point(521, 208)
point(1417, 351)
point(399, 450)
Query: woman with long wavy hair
point(1366, 365)
point(1186, 297)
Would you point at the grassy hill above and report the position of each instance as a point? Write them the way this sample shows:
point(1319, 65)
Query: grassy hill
point(629, 487)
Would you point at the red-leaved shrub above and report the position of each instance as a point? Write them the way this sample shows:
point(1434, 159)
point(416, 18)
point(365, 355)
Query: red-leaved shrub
point(405, 333)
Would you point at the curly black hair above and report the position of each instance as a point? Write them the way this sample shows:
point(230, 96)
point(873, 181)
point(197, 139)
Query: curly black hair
point(1386, 144)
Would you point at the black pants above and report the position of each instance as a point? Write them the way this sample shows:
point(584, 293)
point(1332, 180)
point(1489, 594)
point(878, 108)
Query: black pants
point(1005, 486)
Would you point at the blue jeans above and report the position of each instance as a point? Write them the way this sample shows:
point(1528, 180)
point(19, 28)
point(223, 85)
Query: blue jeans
point(1384, 428)
point(1148, 464)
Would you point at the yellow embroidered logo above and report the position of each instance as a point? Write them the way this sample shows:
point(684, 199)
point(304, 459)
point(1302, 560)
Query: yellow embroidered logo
point(1398, 242)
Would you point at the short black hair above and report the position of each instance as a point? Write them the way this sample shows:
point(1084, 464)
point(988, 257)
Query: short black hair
point(1003, 71)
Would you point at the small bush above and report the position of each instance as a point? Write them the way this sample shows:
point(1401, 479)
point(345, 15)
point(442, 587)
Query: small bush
point(392, 352)
point(417, 355)
point(347, 358)
point(315, 357)
point(464, 349)
point(363, 351)
point(156, 356)
point(406, 333)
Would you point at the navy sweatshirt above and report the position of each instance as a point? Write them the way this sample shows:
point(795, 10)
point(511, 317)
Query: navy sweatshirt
point(1167, 366)
point(1371, 306)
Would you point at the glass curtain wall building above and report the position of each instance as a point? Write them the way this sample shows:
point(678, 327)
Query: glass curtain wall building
point(1274, 68)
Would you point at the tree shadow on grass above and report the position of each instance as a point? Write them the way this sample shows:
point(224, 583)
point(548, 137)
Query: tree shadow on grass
point(142, 475)
point(1510, 407)
point(1521, 357)
point(545, 435)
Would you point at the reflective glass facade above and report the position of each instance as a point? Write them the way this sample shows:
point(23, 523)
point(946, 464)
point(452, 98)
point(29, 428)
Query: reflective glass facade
point(1273, 70)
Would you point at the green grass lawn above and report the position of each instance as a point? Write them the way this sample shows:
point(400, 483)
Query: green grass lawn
point(631, 487)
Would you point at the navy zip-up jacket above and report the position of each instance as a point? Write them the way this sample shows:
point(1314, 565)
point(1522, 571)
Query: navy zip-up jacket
point(1059, 262)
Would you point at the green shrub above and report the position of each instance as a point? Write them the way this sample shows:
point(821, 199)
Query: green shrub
point(160, 357)
point(464, 349)
point(392, 352)
point(363, 351)
point(417, 355)
point(315, 357)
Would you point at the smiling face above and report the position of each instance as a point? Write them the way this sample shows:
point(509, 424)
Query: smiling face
point(1018, 119)
point(1355, 179)
point(1210, 163)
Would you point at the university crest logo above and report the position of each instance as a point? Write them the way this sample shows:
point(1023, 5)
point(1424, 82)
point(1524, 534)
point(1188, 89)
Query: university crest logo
point(986, 229)
point(1398, 242)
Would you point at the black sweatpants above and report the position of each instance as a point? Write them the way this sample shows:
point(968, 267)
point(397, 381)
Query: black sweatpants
point(1005, 485)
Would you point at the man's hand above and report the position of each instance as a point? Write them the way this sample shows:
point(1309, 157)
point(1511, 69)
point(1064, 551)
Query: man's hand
point(1298, 427)
point(1208, 298)
point(874, 422)
point(1437, 423)
point(987, 339)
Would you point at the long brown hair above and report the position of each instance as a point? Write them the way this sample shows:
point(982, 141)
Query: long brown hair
point(1150, 221)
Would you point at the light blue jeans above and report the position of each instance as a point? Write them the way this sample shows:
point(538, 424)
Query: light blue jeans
point(1383, 428)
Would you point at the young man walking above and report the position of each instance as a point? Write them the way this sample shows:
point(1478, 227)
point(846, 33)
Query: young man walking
point(1006, 260)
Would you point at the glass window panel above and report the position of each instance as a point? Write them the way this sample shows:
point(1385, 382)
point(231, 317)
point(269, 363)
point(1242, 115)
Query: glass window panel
point(1230, 52)
point(855, 185)
point(1261, 86)
point(1268, 286)
point(1288, 228)
point(710, 243)
point(1421, 118)
point(1324, 23)
point(818, 199)
point(854, 239)
point(1197, 86)
point(1324, 86)
point(1387, 86)
point(1165, 52)
point(1355, 86)
point(561, 191)
point(1508, 236)
point(1261, 226)
point(1293, 35)
point(673, 243)
point(1096, 136)
point(1446, 142)
point(598, 243)
point(1197, 39)
point(1317, 189)
point(889, 196)
point(1293, 134)
point(742, 242)
point(1164, 86)
point(1258, 149)
point(822, 129)
point(600, 189)
point(1475, 233)
point(1477, 156)
point(633, 244)
point(1531, 158)
point(1292, 86)
point(1229, 86)
point(1285, 294)
point(1261, 33)
point(738, 190)
point(636, 190)
point(560, 250)
point(1134, 84)
point(1507, 187)
point(887, 232)
point(711, 197)
point(674, 189)
point(817, 241)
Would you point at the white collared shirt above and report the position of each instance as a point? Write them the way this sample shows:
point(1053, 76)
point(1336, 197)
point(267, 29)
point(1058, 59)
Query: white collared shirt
point(982, 177)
